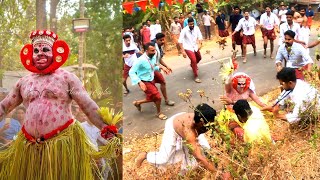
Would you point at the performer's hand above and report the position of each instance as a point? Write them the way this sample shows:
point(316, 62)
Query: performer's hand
point(226, 100)
point(279, 68)
point(267, 108)
point(142, 86)
point(184, 54)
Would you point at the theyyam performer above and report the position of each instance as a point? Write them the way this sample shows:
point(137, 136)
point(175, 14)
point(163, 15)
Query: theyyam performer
point(51, 144)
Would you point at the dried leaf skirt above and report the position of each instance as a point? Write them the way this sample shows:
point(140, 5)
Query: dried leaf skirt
point(69, 155)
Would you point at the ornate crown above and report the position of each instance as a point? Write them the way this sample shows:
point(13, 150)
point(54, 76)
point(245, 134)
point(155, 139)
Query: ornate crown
point(43, 36)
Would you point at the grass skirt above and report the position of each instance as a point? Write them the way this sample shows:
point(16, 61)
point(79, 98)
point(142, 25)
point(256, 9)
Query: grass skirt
point(69, 155)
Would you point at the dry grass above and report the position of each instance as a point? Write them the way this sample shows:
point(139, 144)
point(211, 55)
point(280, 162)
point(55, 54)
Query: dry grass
point(295, 156)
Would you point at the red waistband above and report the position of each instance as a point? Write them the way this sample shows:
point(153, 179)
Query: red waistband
point(48, 135)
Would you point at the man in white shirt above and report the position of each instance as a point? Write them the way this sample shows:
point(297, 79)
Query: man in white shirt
point(175, 29)
point(296, 90)
point(288, 25)
point(190, 41)
point(129, 54)
point(155, 29)
point(206, 18)
point(248, 25)
point(294, 55)
point(304, 32)
point(282, 13)
point(268, 22)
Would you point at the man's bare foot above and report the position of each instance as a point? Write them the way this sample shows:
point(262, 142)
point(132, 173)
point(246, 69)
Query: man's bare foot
point(140, 158)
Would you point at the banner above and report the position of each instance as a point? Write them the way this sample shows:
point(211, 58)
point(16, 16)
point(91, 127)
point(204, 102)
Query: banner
point(128, 6)
point(156, 3)
point(142, 4)
point(169, 2)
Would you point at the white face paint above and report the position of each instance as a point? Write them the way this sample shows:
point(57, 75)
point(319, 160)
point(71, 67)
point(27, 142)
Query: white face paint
point(241, 85)
point(42, 56)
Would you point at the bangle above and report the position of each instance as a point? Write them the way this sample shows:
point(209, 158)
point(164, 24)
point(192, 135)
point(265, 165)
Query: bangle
point(109, 131)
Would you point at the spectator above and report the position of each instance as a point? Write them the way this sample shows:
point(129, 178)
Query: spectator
point(12, 126)
point(206, 18)
point(200, 12)
point(175, 29)
point(310, 15)
point(185, 22)
point(282, 13)
point(155, 29)
point(145, 35)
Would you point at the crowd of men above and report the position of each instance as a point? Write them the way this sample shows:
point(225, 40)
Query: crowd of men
point(291, 56)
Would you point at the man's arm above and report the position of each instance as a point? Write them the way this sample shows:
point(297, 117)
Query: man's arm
point(256, 99)
point(279, 58)
point(313, 44)
point(180, 41)
point(82, 98)
point(196, 151)
point(237, 130)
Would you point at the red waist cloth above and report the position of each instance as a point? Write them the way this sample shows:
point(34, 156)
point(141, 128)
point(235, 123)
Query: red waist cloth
point(48, 135)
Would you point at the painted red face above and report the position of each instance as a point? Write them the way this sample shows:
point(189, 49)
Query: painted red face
point(42, 56)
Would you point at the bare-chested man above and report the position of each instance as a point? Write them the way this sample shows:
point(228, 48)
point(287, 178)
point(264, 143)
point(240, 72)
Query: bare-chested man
point(179, 128)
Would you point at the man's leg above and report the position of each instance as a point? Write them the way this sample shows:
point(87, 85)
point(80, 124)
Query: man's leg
point(209, 32)
point(271, 48)
point(140, 158)
point(125, 76)
point(265, 45)
point(193, 63)
point(244, 53)
point(125, 85)
point(158, 77)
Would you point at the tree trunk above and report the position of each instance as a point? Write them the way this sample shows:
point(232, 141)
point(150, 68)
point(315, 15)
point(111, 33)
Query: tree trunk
point(41, 22)
point(1, 72)
point(53, 18)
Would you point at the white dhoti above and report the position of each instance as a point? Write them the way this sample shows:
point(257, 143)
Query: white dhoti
point(172, 149)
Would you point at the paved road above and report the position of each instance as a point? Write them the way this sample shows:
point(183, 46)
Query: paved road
point(261, 70)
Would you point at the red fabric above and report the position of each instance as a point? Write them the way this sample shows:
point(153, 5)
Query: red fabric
point(269, 33)
point(128, 6)
point(145, 33)
point(126, 70)
point(192, 1)
point(156, 3)
point(299, 72)
point(142, 4)
point(169, 2)
point(195, 58)
point(223, 33)
point(48, 135)
point(236, 38)
point(249, 39)
point(309, 22)
point(109, 131)
point(158, 78)
point(152, 92)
